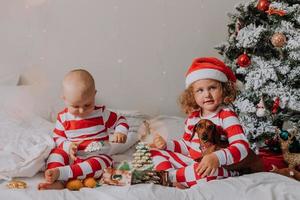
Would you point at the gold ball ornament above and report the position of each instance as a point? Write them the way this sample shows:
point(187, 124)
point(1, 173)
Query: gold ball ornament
point(278, 40)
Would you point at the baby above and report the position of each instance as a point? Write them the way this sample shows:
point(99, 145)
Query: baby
point(79, 125)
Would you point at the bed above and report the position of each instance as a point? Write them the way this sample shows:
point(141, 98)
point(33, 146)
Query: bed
point(255, 186)
point(25, 142)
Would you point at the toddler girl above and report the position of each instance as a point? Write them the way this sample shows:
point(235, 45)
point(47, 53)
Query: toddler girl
point(210, 88)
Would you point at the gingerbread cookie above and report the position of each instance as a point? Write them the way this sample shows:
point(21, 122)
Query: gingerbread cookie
point(15, 184)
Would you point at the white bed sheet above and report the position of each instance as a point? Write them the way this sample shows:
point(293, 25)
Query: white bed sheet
point(265, 186)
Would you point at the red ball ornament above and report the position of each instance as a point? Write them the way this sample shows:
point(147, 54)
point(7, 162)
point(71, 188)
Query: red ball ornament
point(263, 5)
point(243, 60)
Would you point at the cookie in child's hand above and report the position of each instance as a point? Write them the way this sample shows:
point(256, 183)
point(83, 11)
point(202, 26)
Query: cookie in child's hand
point(94, 146)
point(14, 184)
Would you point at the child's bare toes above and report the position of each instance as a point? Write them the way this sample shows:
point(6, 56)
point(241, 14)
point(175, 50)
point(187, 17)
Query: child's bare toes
point(51, 175)
point(42, 186)
point(57, 185)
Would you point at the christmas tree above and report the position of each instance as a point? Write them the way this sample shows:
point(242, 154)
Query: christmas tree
point(263, 49)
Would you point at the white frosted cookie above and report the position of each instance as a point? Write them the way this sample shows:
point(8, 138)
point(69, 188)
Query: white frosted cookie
point(94, 146)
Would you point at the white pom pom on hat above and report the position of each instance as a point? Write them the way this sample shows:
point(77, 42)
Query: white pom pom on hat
point(208, 68)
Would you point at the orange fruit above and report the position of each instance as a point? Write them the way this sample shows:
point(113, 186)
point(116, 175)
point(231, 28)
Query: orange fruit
point(74, 184)
point(90, 182)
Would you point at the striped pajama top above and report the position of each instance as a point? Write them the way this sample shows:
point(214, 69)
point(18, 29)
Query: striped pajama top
point(94, 127)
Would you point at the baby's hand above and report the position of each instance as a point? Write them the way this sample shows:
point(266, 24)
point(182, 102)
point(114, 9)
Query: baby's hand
point(158, 142)
point(119, 137)
point(73, 150)
point(208, 165)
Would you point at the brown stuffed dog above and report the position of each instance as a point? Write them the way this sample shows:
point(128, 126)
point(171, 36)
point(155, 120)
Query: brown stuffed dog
point(210, 141)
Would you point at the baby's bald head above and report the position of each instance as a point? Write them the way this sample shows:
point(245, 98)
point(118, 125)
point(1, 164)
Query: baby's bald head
point(79, 92)
point(78, 82)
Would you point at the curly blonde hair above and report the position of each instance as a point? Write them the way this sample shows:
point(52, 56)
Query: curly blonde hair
point(188, 104)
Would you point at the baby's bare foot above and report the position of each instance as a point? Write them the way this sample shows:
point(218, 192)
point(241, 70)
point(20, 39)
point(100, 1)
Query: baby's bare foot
point(51, 175)
point(57, 185)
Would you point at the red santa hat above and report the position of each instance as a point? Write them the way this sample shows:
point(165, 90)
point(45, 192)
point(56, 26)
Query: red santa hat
point(208, 68)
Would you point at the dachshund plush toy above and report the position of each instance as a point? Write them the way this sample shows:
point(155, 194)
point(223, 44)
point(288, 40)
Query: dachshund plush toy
point(210, 141)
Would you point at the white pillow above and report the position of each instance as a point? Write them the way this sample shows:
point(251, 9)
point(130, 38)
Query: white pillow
point(169, 127)
point(134, 119)
point(10, 79)
point(25, 143)
point(27, 100)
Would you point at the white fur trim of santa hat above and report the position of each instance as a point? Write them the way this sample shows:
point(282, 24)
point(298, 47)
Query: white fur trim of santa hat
point(208, 68)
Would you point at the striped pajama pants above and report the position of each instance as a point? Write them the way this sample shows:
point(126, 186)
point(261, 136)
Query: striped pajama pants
point(182, 169)
point(81, 168)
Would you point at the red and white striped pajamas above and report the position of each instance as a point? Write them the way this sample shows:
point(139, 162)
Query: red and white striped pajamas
point(94, 127)
point(179, 155)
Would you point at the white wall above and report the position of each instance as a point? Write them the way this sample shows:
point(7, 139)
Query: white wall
point(137, 50)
